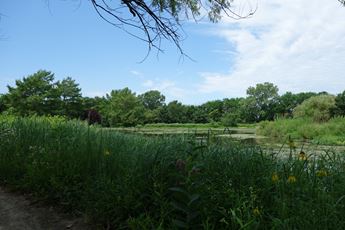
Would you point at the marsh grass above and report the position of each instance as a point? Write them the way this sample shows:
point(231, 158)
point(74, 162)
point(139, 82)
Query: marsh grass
point(129, 181)
point(331, 132)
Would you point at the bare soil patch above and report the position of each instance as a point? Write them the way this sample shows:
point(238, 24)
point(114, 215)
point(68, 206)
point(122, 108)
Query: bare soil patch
point(19, 212)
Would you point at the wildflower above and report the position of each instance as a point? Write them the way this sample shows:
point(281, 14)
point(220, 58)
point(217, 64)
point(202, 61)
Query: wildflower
point(106, 152)
point(275, 177)
point(302, 156)
point(256, 211)
point(291, 179)
point(321, 173)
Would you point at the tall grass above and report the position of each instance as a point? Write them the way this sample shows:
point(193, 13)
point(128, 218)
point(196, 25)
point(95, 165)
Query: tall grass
point(331, 132)
point(134, 182)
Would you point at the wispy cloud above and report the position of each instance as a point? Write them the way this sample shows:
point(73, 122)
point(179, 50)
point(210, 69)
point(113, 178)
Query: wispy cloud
point(136, 73)
point(298, 45)
point(169, 88)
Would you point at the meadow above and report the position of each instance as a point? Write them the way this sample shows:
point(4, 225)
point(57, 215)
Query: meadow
point(132, 181)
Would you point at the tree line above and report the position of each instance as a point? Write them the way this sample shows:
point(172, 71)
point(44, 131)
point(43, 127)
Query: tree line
point(39, 94)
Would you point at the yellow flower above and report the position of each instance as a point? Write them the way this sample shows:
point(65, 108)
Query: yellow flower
point(256, 211)
point(302, 156)
point(275, 177)
point(321, 173)
point(291, 179)
point(106, 152)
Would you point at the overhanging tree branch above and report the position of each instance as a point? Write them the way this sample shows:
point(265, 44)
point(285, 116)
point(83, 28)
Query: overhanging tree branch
point(155, 20)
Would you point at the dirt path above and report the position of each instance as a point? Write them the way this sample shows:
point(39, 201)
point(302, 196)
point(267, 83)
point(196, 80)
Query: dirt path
point(19, 213)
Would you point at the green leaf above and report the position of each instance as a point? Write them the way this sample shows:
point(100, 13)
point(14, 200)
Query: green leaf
point(180, 224)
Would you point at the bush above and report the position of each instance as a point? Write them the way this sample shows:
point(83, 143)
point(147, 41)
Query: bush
point(317, 108)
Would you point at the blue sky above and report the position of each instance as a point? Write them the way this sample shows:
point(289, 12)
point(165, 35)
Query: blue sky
point(284, 43)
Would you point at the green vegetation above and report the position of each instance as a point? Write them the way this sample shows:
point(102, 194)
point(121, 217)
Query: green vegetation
point(134, 182)
point(318, 108)
point(39, 94)
point(327, 133)
point(314, 119)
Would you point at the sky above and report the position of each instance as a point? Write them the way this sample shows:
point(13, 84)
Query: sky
point(298, 45)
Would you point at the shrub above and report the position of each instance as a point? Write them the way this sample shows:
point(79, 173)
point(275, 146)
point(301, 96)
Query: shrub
point(230, 120)
point(317, 108)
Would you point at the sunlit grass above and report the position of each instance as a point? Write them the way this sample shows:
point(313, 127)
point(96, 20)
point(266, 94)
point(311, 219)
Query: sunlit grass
point(137, 182)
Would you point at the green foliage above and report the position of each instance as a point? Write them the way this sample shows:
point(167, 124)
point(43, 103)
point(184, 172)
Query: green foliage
point(260, 103)
point(70, 98)
point(123, 108)
point(214, 110)
point(39, 94)
point(317, 108)
point(152, 99)
point(339, 109)
point(230, 120)
point(328, 133)
point(2, 103)
point(135, 182)
point(174, 112)
point(288, 101)
point(34, 94)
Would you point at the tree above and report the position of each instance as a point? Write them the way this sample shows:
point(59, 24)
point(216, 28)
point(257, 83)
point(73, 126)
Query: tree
point(200, 114)
point(2, 103)
point(339, 109)
point(35, 94)
point(261, 101)
point(288, 101)
point(317, 108)
point(174, 112)
point(152, 21)
point(123, 108)
point(232, 111)
point(214, 110)
point(70, 98)
point(152, 99)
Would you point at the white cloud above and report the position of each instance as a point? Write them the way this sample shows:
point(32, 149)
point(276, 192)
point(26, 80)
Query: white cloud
point(136, 73)
point(167, 88)
point(296, 44)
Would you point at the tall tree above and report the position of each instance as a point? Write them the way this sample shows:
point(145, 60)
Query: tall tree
point(70, 98)
point(174, 112)
point(261, 101)
point(124, 108)
point(35, 94)
point(152, 99)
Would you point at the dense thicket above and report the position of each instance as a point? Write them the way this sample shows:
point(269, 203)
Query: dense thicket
point(39, 94)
